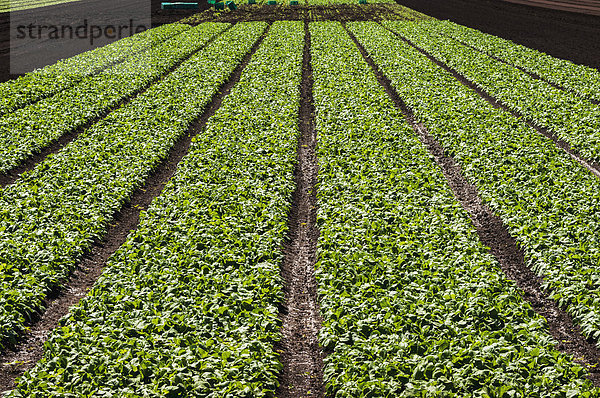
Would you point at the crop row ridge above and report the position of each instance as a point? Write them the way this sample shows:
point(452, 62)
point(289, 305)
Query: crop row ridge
point(529, 73)
point(591, 166)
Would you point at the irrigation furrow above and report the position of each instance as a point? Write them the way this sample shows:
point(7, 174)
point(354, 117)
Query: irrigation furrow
point(591, 166)
point(22, 357)
point(494, 234)
point(301, 356)
point(30, 162)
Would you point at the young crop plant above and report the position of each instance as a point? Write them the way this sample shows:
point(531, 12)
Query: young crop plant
point(32, 128)
point(44, 82)
point(51, 215)
point(413, 304)
point(579, 79)
point(188, 306)
point(549, 203)
point(569, 117)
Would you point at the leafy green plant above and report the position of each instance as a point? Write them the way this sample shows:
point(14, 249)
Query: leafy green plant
point(569, 117)
point(549, 203)
point(580, 79)
point(188, 305)
point(44, 82)
point(413, 304)
point(32, 128)
point(52, 214)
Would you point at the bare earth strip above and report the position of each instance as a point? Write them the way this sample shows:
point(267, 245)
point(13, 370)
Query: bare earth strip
point(301, 356)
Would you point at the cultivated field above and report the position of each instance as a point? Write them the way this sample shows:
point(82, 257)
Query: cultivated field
point(322, 200)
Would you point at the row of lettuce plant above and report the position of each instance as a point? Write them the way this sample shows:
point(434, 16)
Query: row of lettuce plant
point(34, 127)
point(65, 73)
point(549, 203)
point(412, 302)
point(580, 79)
point(51, 215)
point(188, 305)
point(569, 117)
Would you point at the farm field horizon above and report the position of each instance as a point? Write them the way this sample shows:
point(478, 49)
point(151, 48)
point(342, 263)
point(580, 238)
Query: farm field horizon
point(327, 199)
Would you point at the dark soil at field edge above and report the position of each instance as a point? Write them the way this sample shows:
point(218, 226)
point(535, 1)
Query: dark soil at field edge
point(558, 33)
point(494, 234)
point(310, 13)
point(20, 358)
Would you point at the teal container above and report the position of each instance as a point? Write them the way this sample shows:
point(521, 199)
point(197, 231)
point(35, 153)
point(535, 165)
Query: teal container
point(231, 5)
point(251, 1)
point(178, 6)
point(293, 2)
point(272, 2)
point(362, 1)
point(219, 5)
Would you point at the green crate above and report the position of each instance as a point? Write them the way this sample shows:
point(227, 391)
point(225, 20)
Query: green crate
point(219, 5)
point(231, 5)
point(251, 1)
point(362, 1)
point(272, 2)
point(293, 2)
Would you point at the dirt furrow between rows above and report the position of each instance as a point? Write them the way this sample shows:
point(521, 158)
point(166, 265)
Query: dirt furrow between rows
point(301, 356)
point(22, 356)
point(494, 234)
point(591, 166)
point(531, 74)
point(31, 162)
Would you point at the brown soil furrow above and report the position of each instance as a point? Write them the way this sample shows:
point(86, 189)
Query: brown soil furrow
point(494, 234)
point(531, 74)
point(301, 356)
point(22, 357)
point(32, 161)
point(591, 166)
